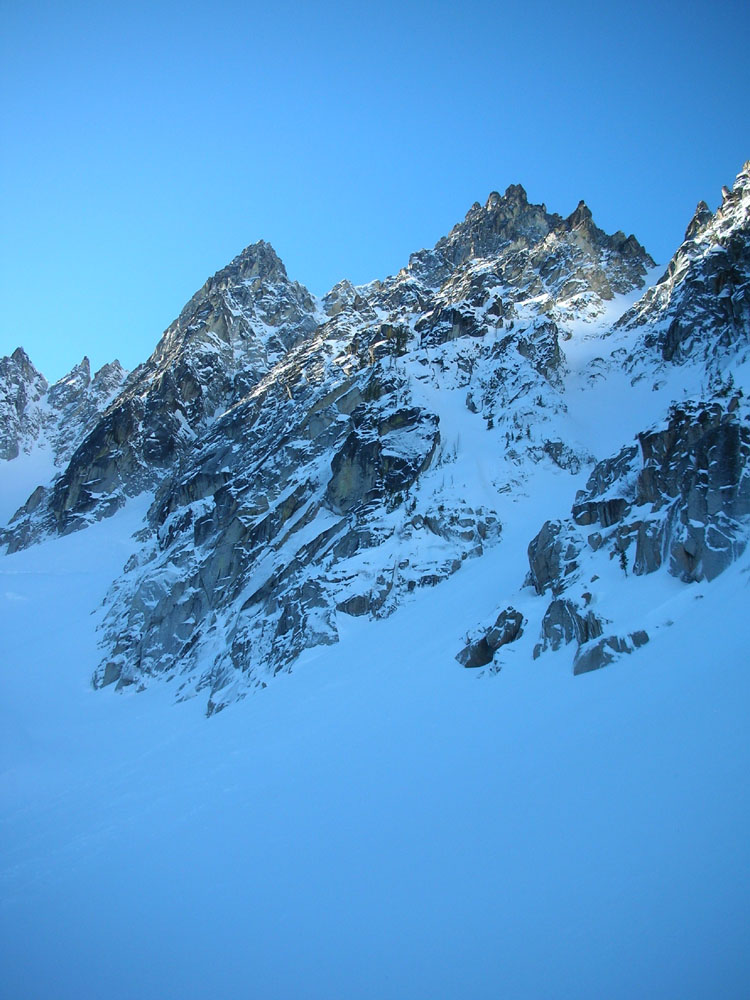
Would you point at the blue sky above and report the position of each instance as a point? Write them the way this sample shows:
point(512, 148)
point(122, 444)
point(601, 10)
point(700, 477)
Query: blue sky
point(144, 145)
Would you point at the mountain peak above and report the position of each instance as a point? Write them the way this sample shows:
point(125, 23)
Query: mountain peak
point(581, 215)
point(20, 356)
point(284, 438)
point(701, 216)
point(515, 194)
point(24, 367)
point(258, 260)
point(79, 375)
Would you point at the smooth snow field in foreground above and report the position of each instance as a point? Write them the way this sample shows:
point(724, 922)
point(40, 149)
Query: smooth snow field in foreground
point(380, 823)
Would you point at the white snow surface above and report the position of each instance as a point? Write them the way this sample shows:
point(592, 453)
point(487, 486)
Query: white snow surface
point(379, 823)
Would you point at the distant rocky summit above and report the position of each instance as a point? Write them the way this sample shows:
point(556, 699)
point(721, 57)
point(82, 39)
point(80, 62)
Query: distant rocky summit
point(34, 414)
point(310, 458)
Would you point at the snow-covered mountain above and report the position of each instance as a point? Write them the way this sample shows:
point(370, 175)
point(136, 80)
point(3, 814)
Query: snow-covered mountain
point(412, 519)
point(311, 459)
point(54, 418)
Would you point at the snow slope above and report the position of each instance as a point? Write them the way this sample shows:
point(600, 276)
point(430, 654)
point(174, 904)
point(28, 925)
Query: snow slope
point(379, 823)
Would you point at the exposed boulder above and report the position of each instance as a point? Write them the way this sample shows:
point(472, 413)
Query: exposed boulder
point(563, 623)
point(553, 557)
point(601, 652)
point(480, 651)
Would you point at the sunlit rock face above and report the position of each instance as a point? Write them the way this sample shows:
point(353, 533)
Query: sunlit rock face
point(701, 305)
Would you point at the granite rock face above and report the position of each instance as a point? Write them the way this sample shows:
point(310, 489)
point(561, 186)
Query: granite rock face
point(680, 498)
point(598, 654)
point(563, 623)
point(701, 305)
point(553, 557)
point(685, 493)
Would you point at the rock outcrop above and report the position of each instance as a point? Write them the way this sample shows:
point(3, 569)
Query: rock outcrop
point(701, 305)
point(564, 622)
point(480, 651)
point(602, 652)
point(679, 499)
point(684, 493)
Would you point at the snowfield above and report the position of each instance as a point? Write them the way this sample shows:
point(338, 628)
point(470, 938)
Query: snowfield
point(380, 822)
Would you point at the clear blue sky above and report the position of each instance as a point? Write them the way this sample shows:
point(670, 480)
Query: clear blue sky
point(144, 145)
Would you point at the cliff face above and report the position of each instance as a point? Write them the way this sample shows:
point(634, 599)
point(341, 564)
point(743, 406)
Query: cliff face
point(701, 305)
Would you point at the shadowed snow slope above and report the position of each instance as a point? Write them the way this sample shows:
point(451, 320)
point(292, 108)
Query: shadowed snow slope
point(377, 823)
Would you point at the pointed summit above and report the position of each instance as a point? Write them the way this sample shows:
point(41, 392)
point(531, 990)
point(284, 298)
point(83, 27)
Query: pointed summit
point(516, 193)
point(82, 369)
point(701, 217)
point(21, 389)
point(581, 215)
point(258, 260)
point(20, 356)
point(700, 307)
point(70, 387)
point(20, 368)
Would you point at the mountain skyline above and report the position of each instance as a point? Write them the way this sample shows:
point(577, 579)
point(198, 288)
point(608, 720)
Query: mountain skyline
point(136, 354)
point(130, 173)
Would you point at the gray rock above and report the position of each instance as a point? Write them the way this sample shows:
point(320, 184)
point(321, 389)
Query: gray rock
point(57, 417)
point(601, 652)
point(371, 465)
point(22, 388)
point(541, 346)
point(553, 557)
point(686, 502)
point(479, 652)
point(700, 307)
point(563, 623)
point(604, 512)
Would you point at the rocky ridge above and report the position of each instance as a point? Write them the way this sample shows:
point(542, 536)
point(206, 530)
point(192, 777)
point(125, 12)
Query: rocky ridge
point(315, 458)
point(700, 307)
point(35, 414)
point(678, 498)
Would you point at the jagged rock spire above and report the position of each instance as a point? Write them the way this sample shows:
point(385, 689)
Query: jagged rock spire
point(701, 217)
point(582, 214)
